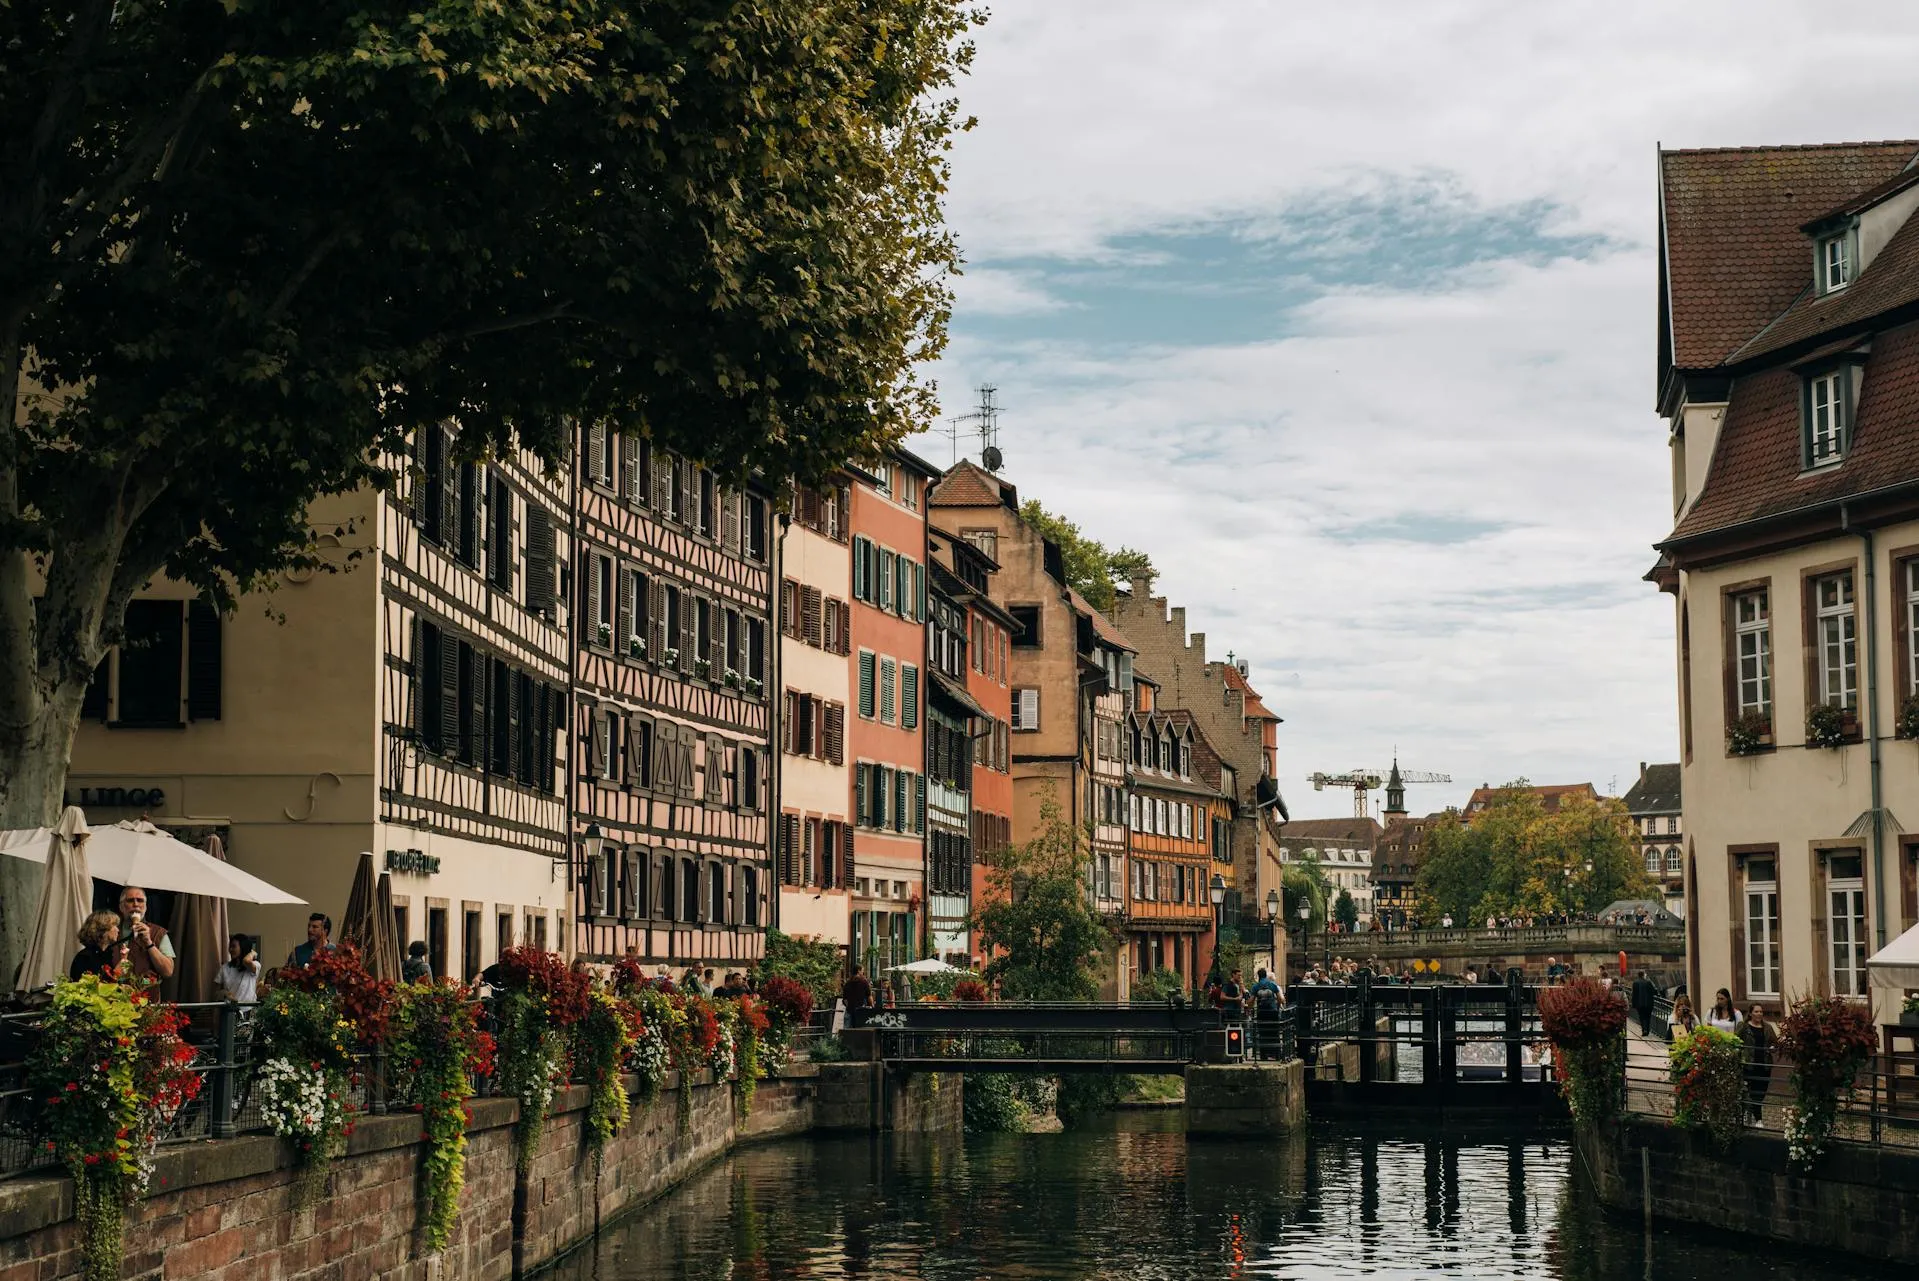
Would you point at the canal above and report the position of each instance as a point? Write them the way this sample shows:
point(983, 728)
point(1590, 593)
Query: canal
point(1141, 1201)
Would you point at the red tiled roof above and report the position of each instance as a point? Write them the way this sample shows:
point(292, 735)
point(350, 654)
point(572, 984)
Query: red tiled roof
point(1254, 707)
point(1735, 257)
point(1756, 469)
point(966, 484)
point(1867, 198)
point(1102, 625)
point(1890, 280)
point(1551, 795)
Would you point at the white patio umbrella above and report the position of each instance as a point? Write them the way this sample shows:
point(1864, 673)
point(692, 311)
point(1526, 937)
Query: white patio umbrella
point(928, 965)
point(138, 853)
point(1897, 963)
point(65, 897)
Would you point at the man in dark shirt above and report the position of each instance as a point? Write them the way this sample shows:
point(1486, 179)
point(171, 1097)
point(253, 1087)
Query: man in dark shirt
point(319, 939)
point(858, 995)
point(1643, 995)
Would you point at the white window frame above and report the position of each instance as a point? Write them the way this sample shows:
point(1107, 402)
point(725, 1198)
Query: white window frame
point(1835, 634)
point(1846, 942)
point(1826, 417)
point(1763, 977)
point(1022, 708)
point(1912, 625)
point(1835, 262)
point(1655, 858)
point(1752, 632)
point(1675, 862)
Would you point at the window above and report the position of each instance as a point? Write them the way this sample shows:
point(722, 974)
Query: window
point(1762, 927)
point(1912, 625)
point(1025, 711)
point(1752, 628)
point(1673, 865)
point(1846, 922)
point(1672, 824)
point(1028, 635)
point(869, 683)
point(1652, 862)
point(909, 696)
point(1827, 417)
point(1837, 649)
point(150, 666)
point(1835, 262)
point(987, 540)
point(889, 671)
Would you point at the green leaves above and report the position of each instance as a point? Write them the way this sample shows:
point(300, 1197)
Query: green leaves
point(1091, 570)
point(1039, 918)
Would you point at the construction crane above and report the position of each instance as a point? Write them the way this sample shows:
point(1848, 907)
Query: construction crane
point(1363, 781)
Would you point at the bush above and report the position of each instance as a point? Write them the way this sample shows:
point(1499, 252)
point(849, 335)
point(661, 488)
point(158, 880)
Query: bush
point(972, 991)
point(992, 1104)
point(1709, 1084)
point(815, 966)
point(1827, 1041)
point(1586, 1025)
point(1081, 1098)
point(1155, 987)
point(789, 1003)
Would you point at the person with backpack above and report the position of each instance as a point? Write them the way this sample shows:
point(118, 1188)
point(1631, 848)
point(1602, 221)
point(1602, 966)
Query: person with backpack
point(1267, 1000)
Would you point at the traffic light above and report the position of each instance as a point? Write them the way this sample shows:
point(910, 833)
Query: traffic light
point(1235, 1041)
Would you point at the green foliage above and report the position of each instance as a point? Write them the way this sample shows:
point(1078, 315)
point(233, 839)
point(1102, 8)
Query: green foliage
point(599, 1045)
point(1155, 987)
point(1085, 1096)
point(1517, 859)
point(1709, 1085)
point(815, 966)
point(1039, 919)
point(1345, 910)
point(438, 1047)
point(252, 246)
point(1091, 569)
point(992, 1104)
point(828, 1049)
point(1304, 881)
point(1587, 1027)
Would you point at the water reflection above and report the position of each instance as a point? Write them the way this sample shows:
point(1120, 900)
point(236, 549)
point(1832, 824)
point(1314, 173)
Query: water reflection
point(1140, 1201)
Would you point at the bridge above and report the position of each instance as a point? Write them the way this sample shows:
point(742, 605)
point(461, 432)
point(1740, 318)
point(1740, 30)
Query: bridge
point(1593, 948)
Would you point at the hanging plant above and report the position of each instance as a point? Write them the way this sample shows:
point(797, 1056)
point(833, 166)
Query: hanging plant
point(1586, 1025)
point(1825, 725)
point(1709, 1084)
point(1750, 733)
point(307, 1043)
point(538, 1000)
point(110, 1072)
point(1907, 724)
point(602, 1041)
point(438, 1048)
point(1827, 1041)
point(787, 1005)
point(744, 1022)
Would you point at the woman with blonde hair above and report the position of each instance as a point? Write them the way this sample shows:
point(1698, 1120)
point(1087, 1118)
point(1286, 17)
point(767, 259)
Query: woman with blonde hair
point(1683, 1020)
point(99, 946)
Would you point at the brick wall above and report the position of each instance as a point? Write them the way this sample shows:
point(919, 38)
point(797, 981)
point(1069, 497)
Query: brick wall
point(1860, 1200)
point(223, 1210)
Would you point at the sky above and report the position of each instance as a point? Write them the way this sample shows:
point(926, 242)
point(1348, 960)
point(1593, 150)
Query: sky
point(1345, 314)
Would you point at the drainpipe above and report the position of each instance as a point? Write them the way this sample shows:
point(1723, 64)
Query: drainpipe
point(1872, 725)
point(775, 684)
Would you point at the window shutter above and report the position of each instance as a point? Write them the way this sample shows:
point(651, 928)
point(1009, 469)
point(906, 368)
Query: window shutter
point(632, 868)
point(449, 490)
point(1028, 709)
point(595, 450)
point(595, 743)
point(656, 620)
point(867, 667)
point(539, 560)
point(714, 779)
point(889, 670)
point(663, 756)
point(730, 522)
point(683, 768)
point(203, 661)
point(810, 620)
point(884, 596)
point(628, 486)
point(623, 622)
point(661, 465)
point(716, 642)
point(789, 842)
point(689, 631)
point(450, 693)
point(634, 760)
point(861, 548)
point(702, 901)
point(836, 733)
point(416, 474)
point(682, 490)
point(919, 802)
point(909, 696)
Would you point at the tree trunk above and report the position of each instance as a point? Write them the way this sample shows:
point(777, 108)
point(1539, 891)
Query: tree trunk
point(33, 779)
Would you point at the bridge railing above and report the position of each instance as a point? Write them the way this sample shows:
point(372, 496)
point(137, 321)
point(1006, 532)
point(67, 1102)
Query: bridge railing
point(1071, 1034)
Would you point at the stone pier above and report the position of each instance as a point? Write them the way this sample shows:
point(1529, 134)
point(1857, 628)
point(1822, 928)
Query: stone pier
point(1245, 1100)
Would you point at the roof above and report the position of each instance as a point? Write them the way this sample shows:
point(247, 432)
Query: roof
point(1358, 831)
point(1756, 467)
point(1551, 795)
point(1254, 708)
point(1867, 198)
point(967, 484)
point(1656, 791)
point(1102, 625)
point(1890, 280)
point(1734, 255)
point(956, 694)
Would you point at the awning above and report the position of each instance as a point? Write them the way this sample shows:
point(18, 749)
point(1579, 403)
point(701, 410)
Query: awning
point(956, 694)
point(1897, 963)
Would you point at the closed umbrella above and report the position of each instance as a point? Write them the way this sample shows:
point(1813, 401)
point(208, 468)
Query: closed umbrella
point(386, 932)
point(65, 898)
point(356, 923)
point(202, 940)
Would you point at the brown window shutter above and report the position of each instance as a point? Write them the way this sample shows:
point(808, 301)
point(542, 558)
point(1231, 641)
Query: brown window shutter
point(682, 490)
point(595, 450)
point(835, 719)
point(789, 607)
point(730, 522)
point(449, 693)
point(789, 703)
point(683, 768)
point(595, 742)
point(629, 467)
point(539, 560)
point(449, 491)
point(416, 473)
point(632, 869)
point(661, 465)
point(689, 633)
point(789, 848)
point(716, 642)
point(810, 617)
point(623, 620)
point(664, 756)
point(713, 777)
point(203, 661)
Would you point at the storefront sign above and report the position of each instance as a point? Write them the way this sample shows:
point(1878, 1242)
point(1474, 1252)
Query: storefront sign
point(412, 861)
point(131, 798)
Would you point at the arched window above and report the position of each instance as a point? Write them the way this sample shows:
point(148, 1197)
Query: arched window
point(1673, 865)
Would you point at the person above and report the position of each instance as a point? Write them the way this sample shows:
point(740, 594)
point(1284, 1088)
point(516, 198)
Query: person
point(1683, 1020)
point(1232, 996)
point(1756, 1036)
point(1267, 998)
point(1446, 921)
point(734, 986)
point(143, 945)
point(1643, 996)
point(1724, 1015)
point(99, 951)
point(416, 969)
point(319, 939)
point(857, 992)
point(690, 983)
point(1472, 975)
point(239, 979)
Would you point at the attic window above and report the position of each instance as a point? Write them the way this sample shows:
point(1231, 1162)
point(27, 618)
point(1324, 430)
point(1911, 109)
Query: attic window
point(1835, 262)
point(1828, 416)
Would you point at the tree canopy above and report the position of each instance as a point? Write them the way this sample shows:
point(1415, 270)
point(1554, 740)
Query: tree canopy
point(1038, 920)
point(1091, 569)
point(1516, 859)
point(246, 248)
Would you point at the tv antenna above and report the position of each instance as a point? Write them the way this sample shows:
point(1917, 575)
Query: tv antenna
point(986, 422)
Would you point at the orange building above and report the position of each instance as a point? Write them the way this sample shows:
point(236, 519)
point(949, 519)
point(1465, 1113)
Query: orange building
point(1169, 915)
point(885, 736)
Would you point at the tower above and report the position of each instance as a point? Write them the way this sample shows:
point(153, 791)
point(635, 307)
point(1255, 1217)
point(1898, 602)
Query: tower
point(1395, 792)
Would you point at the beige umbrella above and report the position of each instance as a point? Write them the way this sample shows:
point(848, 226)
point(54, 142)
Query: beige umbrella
point(368, 924)
point(202, 938)
point(66, 896)
point(386, 930)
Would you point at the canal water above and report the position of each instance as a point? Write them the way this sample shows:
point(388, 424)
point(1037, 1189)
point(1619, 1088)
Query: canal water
point(1141, 1201)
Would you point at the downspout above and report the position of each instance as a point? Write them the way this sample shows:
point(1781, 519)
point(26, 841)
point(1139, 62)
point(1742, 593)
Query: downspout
point(1872, 726)
point(775, 702)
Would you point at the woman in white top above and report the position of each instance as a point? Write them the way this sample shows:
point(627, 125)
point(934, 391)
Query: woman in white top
point(239, 978)
point(1724, 1014)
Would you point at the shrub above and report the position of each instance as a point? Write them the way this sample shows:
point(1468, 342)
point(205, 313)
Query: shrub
point(538, 999)
point(1827, 1041)
point(340, 972)
point(1825, 725)
point(438, 1048)
point(1586, 1025)
point(1709, 1084)
point(971, 991)
point(992, 1104)
point(1748, 734)
point(307, 1044)
point(814, 966)
point(1155, 987)
point(789, 1003)
point(600, 1044)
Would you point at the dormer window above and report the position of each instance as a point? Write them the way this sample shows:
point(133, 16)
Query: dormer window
point(1828, 416)
point(1835, 262)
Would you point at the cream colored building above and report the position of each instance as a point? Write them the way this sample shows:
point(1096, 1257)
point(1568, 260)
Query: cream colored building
point(815, 787)
point(407, 703)
point(1788, 363)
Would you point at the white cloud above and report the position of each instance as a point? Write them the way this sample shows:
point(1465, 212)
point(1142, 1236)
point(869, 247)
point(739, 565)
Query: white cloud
point(992, 291)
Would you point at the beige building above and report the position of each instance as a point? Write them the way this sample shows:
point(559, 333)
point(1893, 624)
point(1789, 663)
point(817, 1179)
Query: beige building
point(409, 703)
point(1788, 365)
point(815, 786)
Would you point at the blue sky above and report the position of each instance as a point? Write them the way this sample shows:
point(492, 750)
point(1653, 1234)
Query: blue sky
point(1346, 316)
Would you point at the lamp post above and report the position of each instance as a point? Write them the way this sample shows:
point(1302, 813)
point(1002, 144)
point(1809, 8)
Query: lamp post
point(1305, 912)
point(1276, 922)
point(593, 842)
point(1216, 890)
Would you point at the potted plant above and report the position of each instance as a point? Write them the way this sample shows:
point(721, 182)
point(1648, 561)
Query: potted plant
point(701, 667)
point(1909, 1012)
point(753, 686)
point(1827, 1040)
point(671, 657)
point(1907, 725)
point(636, 646)
point(1825, 725)
point(732, 679)
point(1750, 733)
point(605, 633)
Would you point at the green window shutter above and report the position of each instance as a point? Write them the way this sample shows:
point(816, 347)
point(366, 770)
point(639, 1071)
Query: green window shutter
point(888, 672)
point(859, 793)
point(909, 696)
point(919, 802)
point(867, 666)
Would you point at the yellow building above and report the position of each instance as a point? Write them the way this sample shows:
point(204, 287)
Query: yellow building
point(409, 702)
point(1787, 359)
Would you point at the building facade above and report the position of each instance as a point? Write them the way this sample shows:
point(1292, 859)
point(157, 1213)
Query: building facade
point(412, 702)
point(815, 837)
point(1653, 802)
point(672, 721)
point(886, 735)
point(1793, 561)
point(1345, 849)
point(1169, 912)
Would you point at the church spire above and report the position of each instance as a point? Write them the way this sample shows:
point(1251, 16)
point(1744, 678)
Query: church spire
point(1395, 791)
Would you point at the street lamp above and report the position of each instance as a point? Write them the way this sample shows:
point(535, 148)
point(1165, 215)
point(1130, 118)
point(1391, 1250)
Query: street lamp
point(594, 844)
point(1275, 922)
point(1216, 890)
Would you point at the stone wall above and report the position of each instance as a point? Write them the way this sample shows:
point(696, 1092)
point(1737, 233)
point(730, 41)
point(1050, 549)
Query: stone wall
point(1249, 1100)
point(868, 1096)
point(223, 1210)
point(1861, 1200)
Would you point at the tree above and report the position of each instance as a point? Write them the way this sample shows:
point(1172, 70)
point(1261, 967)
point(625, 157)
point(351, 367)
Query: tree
point(1346, 911)
point(246, 248)
point(1516, 859)
point(1303, 881)
point(1040, 927)
point(1091, 570)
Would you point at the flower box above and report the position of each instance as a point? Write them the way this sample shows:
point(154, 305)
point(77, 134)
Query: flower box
point(635, 647)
